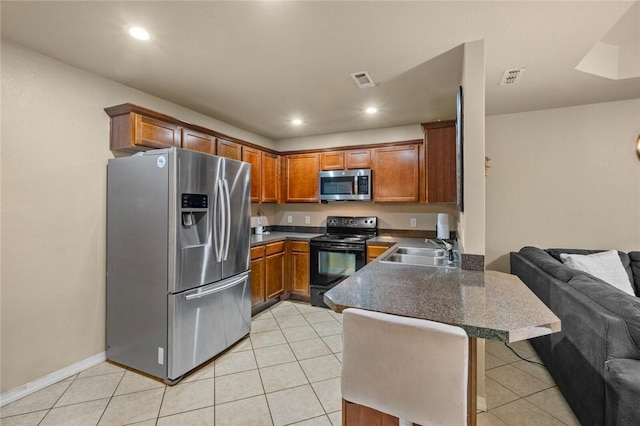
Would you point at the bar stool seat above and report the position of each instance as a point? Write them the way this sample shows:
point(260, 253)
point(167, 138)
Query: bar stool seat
point(410, 368)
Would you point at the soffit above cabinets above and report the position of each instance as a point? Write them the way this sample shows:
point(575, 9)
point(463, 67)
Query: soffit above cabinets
point(258, 64)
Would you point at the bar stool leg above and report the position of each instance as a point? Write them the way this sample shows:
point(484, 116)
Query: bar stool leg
point(472, 383)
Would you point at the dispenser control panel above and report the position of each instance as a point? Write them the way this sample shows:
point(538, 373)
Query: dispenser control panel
point(194, 201)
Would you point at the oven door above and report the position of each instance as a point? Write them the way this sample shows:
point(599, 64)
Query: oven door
point(331, 263)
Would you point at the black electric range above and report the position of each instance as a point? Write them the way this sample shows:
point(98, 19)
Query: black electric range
point(339, 253)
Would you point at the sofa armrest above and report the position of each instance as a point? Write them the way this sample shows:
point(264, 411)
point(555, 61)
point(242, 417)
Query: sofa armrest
point(622, 387)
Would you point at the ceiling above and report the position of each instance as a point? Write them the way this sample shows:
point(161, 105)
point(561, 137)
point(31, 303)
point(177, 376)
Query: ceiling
point(256, 65)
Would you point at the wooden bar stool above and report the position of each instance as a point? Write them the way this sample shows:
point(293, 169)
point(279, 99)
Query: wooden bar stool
point(409, 368)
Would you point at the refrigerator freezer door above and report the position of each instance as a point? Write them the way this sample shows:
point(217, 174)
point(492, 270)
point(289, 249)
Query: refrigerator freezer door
point(206, 321)
point(236, 187)
point(196, 262)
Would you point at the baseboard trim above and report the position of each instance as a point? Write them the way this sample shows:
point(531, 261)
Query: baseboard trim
point(481, 405)
point(42, 382)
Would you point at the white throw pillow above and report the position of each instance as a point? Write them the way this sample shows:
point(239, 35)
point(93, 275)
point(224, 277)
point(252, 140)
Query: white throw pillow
point(605, 265)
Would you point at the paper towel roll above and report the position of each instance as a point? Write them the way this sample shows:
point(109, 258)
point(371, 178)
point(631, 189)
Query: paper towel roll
point(443, 226)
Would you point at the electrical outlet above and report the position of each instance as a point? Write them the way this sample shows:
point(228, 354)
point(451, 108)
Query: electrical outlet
point(307, 220)
point(289, 219)
point(413, 222)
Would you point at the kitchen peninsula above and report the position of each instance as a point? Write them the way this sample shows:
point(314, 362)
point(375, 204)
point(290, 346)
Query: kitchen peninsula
point(486, 304)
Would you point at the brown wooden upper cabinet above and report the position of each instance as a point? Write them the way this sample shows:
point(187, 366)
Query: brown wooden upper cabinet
point(132, 130)
point(332, 160)
point(153, 133)
point(270, 177)
point(301, 178)
point(347, 159)
point(228, 149)
point(358, 159)
point(264, 174)
point(198, 141)
point(440, 142)
point(396, 174)
point(254, 157)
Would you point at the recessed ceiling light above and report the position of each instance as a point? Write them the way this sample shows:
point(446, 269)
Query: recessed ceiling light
point(139, 33)
point(296, 121)
point(371, 110)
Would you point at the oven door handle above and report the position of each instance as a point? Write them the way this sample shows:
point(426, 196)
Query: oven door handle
point(334, 248)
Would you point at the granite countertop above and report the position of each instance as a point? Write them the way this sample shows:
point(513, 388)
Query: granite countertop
point(486, 304)
point(272, 237)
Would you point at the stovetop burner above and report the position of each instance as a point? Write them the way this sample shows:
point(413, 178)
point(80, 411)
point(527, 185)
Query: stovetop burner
point(349, 229)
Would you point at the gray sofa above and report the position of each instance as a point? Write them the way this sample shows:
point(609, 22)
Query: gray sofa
point(595, 359)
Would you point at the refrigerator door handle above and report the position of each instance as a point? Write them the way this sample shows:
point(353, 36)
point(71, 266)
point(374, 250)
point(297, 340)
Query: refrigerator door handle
point(217, 289)
point(218, 218)
point(228, 216)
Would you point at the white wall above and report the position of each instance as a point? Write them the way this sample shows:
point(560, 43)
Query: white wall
point(565, 178)
point(472, 220)
point(55, 147)
point(361, 137)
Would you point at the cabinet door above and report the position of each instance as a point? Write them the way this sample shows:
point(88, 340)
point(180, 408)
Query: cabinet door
point(228, 149)
point(275, 275)
point(270, 177)
point(302, 178)
point(441, 164)
point(396, 174)
point(300, 267)
point(196, 141)
point(358, 159)
point(258, 291)
point(152, 133)
point(257, 282)
point(332, 160)
point(254, 157)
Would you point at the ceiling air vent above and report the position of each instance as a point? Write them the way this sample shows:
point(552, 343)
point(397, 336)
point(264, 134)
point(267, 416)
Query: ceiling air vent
point(511, 76)
point(363, 79)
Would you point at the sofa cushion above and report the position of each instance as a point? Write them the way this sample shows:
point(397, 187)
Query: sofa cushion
point(616, 301)
point(605, 265)
point(634, 257)
point(537, 256)
point(624, 257)
point(560, 271)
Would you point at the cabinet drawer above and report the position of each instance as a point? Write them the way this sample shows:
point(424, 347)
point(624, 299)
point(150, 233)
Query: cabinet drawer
point(375, 251)
point(274, 248)
point(300, 246)
point(257, 252)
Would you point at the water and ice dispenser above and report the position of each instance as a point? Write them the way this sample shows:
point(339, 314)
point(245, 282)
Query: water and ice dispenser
point(194, 212)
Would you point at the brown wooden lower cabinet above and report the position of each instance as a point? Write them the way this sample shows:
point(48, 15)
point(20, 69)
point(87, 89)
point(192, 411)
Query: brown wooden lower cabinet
point(299, 267)
point(258, 295)
point(279, 269)
point(375, 250)
point(274, 276)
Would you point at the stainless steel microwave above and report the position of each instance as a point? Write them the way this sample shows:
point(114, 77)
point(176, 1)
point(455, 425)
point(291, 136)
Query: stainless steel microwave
point(341, 185)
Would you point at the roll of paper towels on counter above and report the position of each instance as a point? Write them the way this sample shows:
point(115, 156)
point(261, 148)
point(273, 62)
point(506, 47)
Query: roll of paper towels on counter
point(443, 226)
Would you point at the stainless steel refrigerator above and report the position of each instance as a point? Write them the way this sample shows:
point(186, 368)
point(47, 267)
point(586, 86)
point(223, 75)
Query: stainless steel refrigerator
point(178, 283)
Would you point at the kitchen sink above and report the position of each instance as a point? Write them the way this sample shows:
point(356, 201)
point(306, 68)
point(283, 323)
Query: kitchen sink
point(415, 251)
point(418, 257)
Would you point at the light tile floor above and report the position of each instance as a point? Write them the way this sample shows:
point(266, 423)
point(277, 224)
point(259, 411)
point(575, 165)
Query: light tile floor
point(287, 372)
